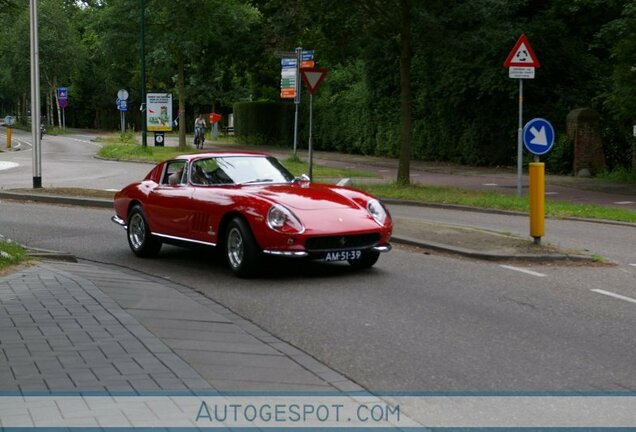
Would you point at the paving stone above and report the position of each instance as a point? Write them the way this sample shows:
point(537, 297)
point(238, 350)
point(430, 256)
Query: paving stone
point(266, 387)
point(25, 370)
point(106, 371)
point(204, 316)
point(200, 335)
point(265, 375)
point(60, 383)
point(211, 346)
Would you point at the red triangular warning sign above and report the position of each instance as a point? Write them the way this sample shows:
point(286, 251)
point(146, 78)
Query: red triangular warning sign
point(313, 78)
point(522, 55)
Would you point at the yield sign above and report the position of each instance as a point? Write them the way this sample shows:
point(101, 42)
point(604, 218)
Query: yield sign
point(522, 55)
point(313, 78)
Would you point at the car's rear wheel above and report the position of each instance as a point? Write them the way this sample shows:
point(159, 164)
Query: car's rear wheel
point(368, 259)
point(140, 239)
point(241, 251)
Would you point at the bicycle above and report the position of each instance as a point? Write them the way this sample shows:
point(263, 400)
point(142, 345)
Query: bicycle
point(199, 137)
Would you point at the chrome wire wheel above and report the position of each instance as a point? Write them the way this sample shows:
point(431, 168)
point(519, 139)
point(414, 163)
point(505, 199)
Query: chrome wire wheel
point(136, 231)
point(140, 238)
point(241, 250)
point(235, 248)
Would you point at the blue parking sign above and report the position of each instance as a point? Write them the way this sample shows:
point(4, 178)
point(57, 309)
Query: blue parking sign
point(538, 136)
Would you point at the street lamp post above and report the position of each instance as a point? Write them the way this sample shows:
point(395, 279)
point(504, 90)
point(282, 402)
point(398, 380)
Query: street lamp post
point(144, 137)
point(35, 96)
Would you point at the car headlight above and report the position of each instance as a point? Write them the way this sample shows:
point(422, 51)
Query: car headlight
point(283, 220)
point(377, 211)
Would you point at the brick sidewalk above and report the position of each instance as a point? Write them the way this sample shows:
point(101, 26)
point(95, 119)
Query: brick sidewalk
point(68, 327)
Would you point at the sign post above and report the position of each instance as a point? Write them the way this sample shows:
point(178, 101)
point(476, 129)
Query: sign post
point(122, 106)
point(8, 122)
point(521, 63)
point(291, 63)
point(538, 138)
point(62, 98)
point(313, 78)
point(214, 121)
point(159, 115)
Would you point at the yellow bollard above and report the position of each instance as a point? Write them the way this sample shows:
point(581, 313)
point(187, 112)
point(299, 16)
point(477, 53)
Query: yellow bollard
point(8, 137)
point(536, 195)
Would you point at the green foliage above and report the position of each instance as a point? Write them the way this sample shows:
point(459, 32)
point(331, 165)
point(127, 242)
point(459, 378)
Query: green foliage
point(619, 175)
point(264, 123)
point(14, 254)
point(560, 160)
point(464, 105)
point(493, 200)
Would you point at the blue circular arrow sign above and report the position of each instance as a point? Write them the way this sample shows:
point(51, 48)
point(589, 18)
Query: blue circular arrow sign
point(538, 136)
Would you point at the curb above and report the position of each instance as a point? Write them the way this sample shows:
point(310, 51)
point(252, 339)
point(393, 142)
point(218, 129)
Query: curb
point(490, 256)
point(58, 199)
point(45, 254)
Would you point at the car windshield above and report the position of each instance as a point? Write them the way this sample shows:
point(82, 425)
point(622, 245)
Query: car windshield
point(239, 170)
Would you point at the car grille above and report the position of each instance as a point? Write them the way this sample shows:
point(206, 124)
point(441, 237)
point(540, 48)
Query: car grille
point(359, 241)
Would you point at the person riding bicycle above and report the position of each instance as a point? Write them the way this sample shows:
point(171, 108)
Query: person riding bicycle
point(199, 131)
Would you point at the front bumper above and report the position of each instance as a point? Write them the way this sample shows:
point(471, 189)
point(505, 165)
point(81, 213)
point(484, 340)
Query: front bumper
point(304, 254)
point(119, 221)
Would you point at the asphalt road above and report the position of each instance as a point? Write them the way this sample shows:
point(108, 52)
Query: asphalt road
point(415, 322)
point(67, 161)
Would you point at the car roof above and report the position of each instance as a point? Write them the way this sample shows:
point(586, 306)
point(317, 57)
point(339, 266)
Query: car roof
point(192, 156)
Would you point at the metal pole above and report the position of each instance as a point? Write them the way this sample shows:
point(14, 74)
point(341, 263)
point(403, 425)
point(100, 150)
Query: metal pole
point(35, 96)
point(144, 136)
point(311, 125)
point(520, 140)
point(299, 53)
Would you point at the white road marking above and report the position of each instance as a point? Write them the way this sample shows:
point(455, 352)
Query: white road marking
point(551, 193)
point(624, 202)
point(611, 294)
point(4, 165)
point(522, 270)
point(633, 265)
point(490, 184)
point(86, 141)
point(111, 190)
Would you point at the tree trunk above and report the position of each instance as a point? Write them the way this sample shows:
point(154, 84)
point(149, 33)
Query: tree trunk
point(406, 96)
point(182, 110)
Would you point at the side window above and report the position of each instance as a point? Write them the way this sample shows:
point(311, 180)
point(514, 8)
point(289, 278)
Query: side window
point(208, 172)
point(174, 173)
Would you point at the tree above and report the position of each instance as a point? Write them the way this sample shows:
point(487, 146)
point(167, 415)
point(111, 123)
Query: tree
point(183, 34)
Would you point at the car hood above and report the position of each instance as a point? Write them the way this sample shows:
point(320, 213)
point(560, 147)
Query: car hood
point(304, 197)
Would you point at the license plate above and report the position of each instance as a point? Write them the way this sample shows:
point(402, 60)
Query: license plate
point(343, 255)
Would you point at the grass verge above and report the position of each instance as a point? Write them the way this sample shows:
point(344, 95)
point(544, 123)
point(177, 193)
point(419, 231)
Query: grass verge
point(493, 200)
point(115, 149)
point(11, 255)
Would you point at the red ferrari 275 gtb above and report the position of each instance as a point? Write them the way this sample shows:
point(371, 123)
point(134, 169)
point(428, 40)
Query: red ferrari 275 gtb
point(249, 205)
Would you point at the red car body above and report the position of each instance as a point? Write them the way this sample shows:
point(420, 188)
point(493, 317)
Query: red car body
point(273, 216)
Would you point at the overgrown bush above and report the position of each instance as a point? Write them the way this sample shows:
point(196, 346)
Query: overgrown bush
point(264, 123)
point(560, 160)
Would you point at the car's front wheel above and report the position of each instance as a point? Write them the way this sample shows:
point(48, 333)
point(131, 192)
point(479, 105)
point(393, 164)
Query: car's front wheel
point(368, 259)
point(241, 251)
point(140, 239)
